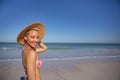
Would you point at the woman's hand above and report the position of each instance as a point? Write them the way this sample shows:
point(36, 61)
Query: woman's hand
point(42, 47)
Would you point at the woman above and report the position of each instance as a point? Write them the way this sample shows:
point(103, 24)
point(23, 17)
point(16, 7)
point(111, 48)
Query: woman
point(30, 37)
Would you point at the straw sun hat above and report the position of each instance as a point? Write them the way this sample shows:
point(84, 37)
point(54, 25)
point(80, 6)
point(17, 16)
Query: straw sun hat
point(39, 26)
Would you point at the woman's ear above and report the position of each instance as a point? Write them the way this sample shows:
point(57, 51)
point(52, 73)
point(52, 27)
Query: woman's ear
point(25, 38)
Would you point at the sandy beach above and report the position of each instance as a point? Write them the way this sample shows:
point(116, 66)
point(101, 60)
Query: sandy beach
point(64, 70)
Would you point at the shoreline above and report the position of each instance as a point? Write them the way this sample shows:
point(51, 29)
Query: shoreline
point(82, 58)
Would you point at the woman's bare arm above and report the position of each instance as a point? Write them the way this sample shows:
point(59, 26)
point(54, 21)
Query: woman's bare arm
point(31, 66)
point(42, 47)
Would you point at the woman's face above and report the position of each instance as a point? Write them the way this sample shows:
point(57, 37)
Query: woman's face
point(32, 38)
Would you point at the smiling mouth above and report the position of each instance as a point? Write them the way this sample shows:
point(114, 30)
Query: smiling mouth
point(34, 44)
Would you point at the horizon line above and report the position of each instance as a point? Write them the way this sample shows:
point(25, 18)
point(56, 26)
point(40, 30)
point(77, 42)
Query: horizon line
point(75, 42)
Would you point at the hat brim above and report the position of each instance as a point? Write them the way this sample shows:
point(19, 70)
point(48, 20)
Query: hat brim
point(39, 26)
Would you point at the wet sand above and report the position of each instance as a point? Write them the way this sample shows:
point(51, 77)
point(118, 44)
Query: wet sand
point(65, 70)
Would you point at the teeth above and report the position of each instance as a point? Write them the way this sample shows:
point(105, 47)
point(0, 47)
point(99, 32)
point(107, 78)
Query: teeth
point(34, 43)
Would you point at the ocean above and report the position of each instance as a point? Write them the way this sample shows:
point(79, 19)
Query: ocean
point(66, 51)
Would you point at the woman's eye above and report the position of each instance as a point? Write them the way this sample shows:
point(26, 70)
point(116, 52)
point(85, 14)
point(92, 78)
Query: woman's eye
point(32, 37)
point(38, 37)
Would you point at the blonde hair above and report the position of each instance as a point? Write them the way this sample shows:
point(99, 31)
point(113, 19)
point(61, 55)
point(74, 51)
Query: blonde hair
point(27, 32)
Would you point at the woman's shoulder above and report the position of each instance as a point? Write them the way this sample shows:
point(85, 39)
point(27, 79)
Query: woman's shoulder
point(29, 52)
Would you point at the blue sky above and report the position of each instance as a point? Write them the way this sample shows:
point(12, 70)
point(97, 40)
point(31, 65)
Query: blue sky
point(76, 21)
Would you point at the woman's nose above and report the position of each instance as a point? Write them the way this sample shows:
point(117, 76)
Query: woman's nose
point(36, 39)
